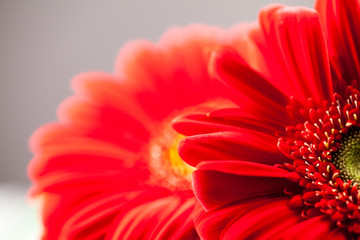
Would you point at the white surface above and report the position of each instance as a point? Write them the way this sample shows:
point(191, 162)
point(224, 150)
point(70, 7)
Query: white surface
point(19, 219)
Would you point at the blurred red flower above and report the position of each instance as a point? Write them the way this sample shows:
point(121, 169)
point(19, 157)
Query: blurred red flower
point(109, 167)
point(284, 164)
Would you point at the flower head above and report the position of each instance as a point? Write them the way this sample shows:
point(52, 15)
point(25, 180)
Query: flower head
point(109, 169)
point(285, 162)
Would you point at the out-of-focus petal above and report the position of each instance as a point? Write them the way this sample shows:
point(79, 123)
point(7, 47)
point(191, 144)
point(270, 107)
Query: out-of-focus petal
point(114, 134)
point(175, 69)
point(164, 218)
point(70, 162)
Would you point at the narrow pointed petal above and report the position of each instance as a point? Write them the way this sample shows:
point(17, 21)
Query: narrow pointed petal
point(341, 23)
point(254, 92)
point(320, 227)
point(301, 65)
point(260, 217)
point(67, 161)
point(107, 91)
point(92, 218)
point(264, 218)
point(174, 69)
point(164, 218)
point(261, 221)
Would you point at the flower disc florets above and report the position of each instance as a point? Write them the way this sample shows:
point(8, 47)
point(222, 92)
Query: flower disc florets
point(347, 158)
point(325, 153)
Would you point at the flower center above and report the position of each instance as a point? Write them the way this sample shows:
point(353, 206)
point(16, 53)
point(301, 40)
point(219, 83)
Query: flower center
point(323, 147)
point(166, 166)
point(176, 163)
point(347, 158)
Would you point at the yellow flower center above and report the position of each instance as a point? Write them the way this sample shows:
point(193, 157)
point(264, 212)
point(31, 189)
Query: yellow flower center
point(166, 166)
point(178, 165)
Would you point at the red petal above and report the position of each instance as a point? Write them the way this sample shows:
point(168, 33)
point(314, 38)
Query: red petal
point(244, 145)
point(341, 23)
point(67, 215)
point(314, 228)
point(239, 117)
point(76, 164)
point(92, 218)
point(235, 181)
point(165, 218)
point(173, 71)
point(210, 225)
point(253, 218)
point(244, 168)
point(105, 121)
point(301, 65)
point(223, 119)
point(181, 223)
point(264, 218)
point(255, 94)
point(108, 91)
point(262, 221)
point(192, 124)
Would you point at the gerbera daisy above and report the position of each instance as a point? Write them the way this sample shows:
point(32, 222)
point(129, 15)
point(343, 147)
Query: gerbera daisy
point(285, 163)
point(109, 167)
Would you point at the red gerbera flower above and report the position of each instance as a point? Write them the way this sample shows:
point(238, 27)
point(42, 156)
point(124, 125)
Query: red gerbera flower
point(285, 163)
point(109, 167)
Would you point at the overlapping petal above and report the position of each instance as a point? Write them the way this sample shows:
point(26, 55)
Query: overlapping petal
point(263, 218)
point(95, 167)
point(164, 218)
point(251, 180)
point(243, 145)
point(261, 98)
point(178, 61)
point(93, 164)
point(292, 73)
point(297, 39)
point(340, 23)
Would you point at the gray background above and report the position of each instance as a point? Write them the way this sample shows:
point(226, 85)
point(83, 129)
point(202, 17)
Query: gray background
point(44, 43)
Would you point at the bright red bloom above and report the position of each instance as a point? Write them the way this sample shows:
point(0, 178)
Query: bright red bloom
point(285, 163)
point(109, 167)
